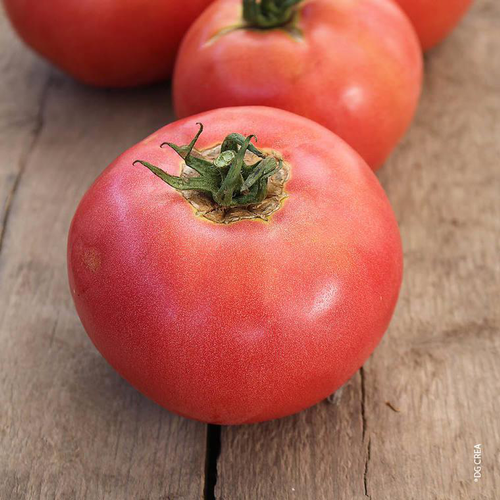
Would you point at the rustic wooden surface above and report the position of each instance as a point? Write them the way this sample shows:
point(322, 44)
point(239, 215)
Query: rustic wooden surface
point(71, 428)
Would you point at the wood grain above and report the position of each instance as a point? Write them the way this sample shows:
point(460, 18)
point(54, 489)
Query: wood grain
point(69, 426)
point(319, 453)
point(22, 85)
point(439, 363)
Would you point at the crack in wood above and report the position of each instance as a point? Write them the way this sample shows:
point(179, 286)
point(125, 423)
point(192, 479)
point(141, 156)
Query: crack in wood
point(363, 400)
point(364, 423)
point(213, 449)
point(23, 161)
point(365, 475)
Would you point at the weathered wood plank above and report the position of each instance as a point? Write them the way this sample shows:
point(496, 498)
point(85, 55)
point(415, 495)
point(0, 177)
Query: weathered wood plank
point(441, 364)
point(69, 426)
point(438, 363)
point(22, 85)
point(319, 453)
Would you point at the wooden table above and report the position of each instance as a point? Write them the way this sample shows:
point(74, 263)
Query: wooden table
point(403, 428)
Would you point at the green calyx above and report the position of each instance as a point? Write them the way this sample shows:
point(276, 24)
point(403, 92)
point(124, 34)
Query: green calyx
point(228, 180)
point(268, 14)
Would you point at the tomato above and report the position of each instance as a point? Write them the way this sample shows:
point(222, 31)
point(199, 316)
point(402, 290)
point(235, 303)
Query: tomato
point(432, 19)
point(110, 43)
point(227, 319)
point(354, 66)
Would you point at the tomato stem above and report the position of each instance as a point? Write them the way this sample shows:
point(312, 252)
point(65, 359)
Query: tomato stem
point(268, 14)
point(228, 180)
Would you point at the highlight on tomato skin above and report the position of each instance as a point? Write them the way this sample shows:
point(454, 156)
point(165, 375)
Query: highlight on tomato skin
point(434, 20)
point(353, 66)
point(112, 43)
point(236, 266)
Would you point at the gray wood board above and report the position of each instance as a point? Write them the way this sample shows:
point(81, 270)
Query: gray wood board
point(439, 362)
point(70, 427)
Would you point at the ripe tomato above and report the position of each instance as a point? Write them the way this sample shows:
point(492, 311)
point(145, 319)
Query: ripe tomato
point(434, 19)
point(110, 43)
point(247, 320)
point(354, 66)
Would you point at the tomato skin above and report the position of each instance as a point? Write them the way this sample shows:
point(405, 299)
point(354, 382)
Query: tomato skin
point(433, 20)
point(357, 70)
point(248, 321)
point(107, 43)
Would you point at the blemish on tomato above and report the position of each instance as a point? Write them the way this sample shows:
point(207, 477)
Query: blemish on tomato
point(152, 137)
point(92, 259)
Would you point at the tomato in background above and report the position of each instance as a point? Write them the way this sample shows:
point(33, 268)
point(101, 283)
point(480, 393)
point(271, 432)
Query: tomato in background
point(354, 66)
point(246, 321)
point(109, 43)
point(433, 20)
